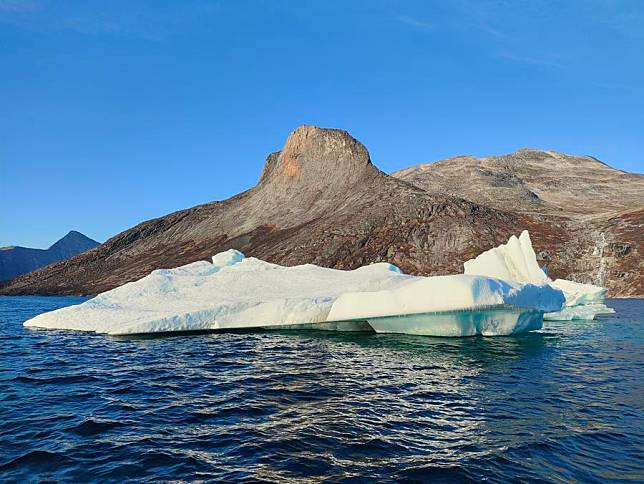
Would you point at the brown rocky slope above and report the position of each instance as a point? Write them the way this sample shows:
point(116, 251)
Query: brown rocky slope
point(320, 200)
point(599, 210)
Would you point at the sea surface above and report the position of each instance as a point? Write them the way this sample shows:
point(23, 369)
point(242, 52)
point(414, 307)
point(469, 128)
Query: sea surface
point(565, 403)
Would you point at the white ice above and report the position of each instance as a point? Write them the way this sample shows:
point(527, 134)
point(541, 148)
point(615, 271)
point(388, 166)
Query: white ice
point(238, 292)
point(516, 262)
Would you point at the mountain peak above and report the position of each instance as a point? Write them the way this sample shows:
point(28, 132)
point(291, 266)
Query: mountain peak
point(534, 179)
point(74, 241)
point(73, 233)
point(317, 156)
point(15, 261)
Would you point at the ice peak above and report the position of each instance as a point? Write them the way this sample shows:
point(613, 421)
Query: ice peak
point(515, 261)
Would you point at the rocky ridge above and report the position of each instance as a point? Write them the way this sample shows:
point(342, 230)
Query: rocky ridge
point(320, 200)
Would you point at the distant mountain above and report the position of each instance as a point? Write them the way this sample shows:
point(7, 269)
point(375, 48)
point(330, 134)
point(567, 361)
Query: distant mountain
point(15, 261)
point(320, 200)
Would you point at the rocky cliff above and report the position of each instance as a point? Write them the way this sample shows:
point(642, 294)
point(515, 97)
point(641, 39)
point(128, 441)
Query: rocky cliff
point(320, 200)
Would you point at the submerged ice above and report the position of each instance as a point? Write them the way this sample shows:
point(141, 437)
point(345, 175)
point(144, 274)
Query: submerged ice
point(234, 292)
point(516, 261)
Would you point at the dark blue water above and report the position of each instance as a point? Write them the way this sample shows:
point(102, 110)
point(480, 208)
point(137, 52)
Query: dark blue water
point(565, 403)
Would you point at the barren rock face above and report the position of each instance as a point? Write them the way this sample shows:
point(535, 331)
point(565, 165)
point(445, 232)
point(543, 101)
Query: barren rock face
point(320, 200)
point(314, 172)
point(589, 217)
point(533, 180)
point(324, 158)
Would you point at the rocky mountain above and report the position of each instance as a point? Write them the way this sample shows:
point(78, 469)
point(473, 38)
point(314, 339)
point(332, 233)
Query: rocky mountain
point(20, 260)
point(533, 181)
point(320, 200)
point(590, 216)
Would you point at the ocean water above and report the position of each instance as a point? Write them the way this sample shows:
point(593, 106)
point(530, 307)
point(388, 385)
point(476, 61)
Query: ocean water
point(565, 403)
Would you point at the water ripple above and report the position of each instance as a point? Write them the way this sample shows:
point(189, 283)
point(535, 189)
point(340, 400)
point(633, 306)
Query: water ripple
point(561, 404)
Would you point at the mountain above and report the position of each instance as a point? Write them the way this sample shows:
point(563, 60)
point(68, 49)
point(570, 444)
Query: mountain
point(533, 181)
point(591, 216)
point(320, 200)
point(20, 260)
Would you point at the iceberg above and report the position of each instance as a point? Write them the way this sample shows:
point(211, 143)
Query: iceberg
point(583, 301)
point(516, 261)
point(234, 292)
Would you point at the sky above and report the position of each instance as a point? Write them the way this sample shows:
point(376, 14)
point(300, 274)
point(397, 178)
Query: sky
point(115, 112)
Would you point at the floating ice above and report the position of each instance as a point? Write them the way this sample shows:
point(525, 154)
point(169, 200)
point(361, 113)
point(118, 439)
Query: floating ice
point(239, 292)
point(517, 262)
point(514, 261)
point(583, 301)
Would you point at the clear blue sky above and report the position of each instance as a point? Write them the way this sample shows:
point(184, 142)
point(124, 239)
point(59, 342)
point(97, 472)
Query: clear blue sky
point(114, 112)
